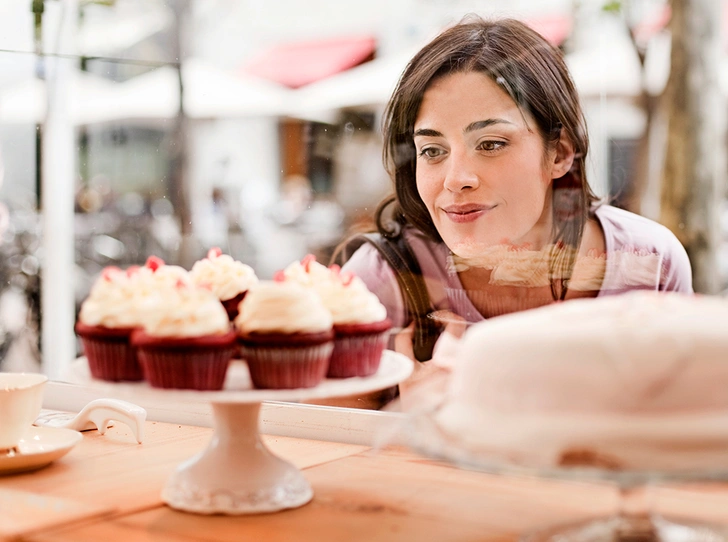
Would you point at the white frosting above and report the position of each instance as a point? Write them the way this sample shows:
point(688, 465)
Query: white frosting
point(511, 265)
point(593, 373)
point(488, 258)
point(588, 273)
point(522, 268)
point(112, 302)
point(307, 273)
point(148, 281)
point(185, 312)
point(343, 294)
point(282, 307)
point(351, 303)
point(636, 268)
point(225, 276)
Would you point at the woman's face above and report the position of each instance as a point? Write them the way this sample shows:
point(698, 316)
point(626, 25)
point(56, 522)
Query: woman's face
point(482, 170)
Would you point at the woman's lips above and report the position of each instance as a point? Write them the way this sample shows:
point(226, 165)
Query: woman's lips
point(466, 213)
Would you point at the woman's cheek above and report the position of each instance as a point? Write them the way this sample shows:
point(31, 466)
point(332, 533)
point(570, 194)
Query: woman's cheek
point(427, 194)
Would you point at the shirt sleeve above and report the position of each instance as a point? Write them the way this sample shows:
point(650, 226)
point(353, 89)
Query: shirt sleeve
point(369, 265)
point(677, 273)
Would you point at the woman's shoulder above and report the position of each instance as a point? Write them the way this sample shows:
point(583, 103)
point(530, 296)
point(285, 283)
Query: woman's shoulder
point(629, 235)
point(427, 253)
point(421, 244)
point(629, 228)
point(621, 216)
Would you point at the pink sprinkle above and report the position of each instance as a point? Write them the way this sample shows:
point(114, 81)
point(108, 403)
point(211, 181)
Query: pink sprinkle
point(132, 270)
point(154, 262)
point(279, 276)
point(347, 277)
point(335, 268)
point(307, 260)
point(180, 284)
point(214, 252)
point(108, 272)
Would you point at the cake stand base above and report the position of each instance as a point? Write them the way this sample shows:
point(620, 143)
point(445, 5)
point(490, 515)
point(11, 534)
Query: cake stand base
point(619, 529)
point(236, 473)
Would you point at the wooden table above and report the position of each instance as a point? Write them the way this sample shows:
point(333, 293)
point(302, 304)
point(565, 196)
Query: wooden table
point(108, 488)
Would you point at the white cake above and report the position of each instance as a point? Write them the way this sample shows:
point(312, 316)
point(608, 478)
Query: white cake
point(632, 381)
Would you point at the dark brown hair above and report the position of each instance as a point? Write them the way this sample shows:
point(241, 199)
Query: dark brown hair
point(533, 73)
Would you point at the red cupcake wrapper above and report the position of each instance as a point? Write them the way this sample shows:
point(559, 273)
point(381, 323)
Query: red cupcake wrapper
point(231, 305)
point(197, 363)
point(358, 349)
point(362, 329)
point(109, 353)
point(285, 339)
point(141, 339)
point(286, 367)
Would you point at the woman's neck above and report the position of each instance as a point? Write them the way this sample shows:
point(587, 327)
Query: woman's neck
point(509, 279)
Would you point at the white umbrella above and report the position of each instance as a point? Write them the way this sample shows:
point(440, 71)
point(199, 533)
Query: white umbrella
point(208, 93)
point(213, 93)
point(92, 100)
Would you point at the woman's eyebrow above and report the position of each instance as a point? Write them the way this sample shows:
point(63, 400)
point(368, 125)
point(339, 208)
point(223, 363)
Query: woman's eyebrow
point(472, 127)
point(426, 132)
point(480, 124)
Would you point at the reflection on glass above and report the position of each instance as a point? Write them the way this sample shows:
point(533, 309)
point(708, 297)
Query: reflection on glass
point(270, 171)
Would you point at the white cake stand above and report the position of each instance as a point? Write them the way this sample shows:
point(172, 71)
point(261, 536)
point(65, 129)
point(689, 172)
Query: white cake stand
point(236, 473)
point(633, 521)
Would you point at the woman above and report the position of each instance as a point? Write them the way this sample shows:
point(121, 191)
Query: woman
point(486, 143)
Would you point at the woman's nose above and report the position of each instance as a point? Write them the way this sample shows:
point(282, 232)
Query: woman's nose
point(461, 173)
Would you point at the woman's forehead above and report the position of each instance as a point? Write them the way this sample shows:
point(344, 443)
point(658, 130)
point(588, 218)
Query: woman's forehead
point(465, 98)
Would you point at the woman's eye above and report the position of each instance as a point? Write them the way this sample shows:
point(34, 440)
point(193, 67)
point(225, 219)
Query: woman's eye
point(491, 145)
point(430, 152)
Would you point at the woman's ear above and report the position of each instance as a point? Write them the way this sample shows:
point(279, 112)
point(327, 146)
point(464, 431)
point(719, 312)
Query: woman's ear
point(563, 157)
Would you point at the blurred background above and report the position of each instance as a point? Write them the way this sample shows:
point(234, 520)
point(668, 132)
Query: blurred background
point(138, 127)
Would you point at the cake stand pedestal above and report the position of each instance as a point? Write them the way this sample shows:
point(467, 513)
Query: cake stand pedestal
point(237, 473)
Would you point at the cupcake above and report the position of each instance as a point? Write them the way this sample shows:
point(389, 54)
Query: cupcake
point(228, 279)
point(105, 323)
point(308, 272)
point(361, 326)
point(156, 274)
point(285, 335)
point(186, 341)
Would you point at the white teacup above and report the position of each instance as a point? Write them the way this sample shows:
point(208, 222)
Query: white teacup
point(21, 398)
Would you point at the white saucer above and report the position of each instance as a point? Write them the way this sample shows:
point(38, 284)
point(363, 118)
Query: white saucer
point(39, 447)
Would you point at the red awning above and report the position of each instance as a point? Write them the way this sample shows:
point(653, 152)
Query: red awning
point(555, 28)
point(298, 64)
point(652, 24)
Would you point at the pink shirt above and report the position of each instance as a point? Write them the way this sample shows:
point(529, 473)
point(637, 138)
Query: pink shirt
point(625, 233)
